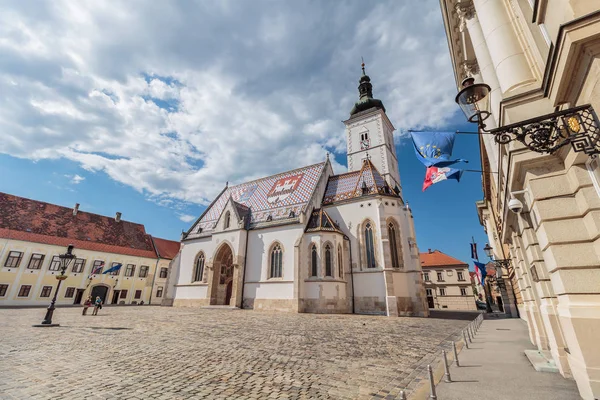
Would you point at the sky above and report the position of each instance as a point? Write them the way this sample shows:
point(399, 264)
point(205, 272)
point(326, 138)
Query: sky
point(149, 108)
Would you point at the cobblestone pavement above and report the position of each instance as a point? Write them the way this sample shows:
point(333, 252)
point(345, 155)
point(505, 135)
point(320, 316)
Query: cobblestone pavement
point(181, 353)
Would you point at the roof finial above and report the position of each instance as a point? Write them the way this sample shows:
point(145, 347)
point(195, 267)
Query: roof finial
point(363, 65)
point(327, 155)
point(227, 184)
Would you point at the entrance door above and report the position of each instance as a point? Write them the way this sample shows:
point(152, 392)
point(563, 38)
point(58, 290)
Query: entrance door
point(430, 302)
point(101, 291)
point(500, 304)
point(115, 298)
point(222, 281)
point(79, 296)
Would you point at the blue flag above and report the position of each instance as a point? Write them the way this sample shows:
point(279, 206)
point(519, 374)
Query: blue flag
point(113, 268)
point(481, 267)
point(434, 148)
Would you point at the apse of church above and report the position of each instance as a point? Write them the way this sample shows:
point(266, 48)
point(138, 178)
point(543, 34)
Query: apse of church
point(307, 240)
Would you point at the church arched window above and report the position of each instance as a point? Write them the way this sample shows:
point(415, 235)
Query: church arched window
point(199, 268)
point(340, 264)
point(276, 262)
point(369, 245)
point(227, 220)
point(393, 245)
point(328, 263)
point(313, 260)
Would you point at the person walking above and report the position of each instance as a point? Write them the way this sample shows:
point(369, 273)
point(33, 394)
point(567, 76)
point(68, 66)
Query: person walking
point(97, 305)
point(86, 304)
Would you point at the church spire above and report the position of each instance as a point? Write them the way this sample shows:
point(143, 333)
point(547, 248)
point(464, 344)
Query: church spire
point(365, 90)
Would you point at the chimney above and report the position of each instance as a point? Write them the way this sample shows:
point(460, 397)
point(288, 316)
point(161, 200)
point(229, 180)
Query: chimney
point(75, 209)
point(429, 250)
point(118, 217)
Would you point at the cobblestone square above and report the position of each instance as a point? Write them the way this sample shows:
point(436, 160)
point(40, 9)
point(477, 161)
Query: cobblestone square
point(181, 353)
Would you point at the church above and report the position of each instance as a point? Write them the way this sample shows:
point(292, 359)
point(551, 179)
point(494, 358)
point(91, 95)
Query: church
point(310, 241)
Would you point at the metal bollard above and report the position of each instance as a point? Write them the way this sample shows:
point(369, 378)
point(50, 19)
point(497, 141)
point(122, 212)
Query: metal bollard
point(465, 339)
point(432, 395)
point(447, 377)
point(455, 354)
point(402, 395)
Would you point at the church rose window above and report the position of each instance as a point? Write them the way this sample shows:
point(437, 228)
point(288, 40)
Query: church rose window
point(328, 266)
point(313, 269)
point(276, 262)
point(199, 268)
point(340, 265)
point(369, 246)
point(393, 245)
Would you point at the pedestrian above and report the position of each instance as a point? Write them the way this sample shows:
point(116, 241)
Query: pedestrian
point(97, 305)
point(86, 304)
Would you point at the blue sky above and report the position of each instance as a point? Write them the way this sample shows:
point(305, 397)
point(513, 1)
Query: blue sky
point(99, 107)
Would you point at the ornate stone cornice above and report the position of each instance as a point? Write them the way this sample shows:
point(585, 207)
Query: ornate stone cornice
point(465, 11)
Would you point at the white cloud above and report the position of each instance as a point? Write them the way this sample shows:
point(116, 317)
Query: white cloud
point(187, 217)
point(75, 179)
point(218, 93)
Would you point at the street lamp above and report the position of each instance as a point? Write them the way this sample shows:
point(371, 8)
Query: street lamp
point(65, 260)
point(489, 251)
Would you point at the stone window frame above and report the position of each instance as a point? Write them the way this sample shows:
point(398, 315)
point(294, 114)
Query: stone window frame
point(37, 262)
point(426, 277)
point(163, 271)
point(3, 289)
point(54, 264)
point(96, 265)
point(138, 294)
point(130, 270)
point(79, 262)
point(429, 292)
point(123, 294)
point(15, 259)
point(313, 260)
point(117, 271)
point(463, 291)
point(331, 259)
point(363, 246)
point(440, 276)
point(227, 220)
point(46, 291)
point(200, 256)
point(272, 248)
point(145, 269)
point(22, 289)
point(442, 291)
point(159, 291)
point(397, 241)
point(340, 261)
point(460, 276)
point(69, 292)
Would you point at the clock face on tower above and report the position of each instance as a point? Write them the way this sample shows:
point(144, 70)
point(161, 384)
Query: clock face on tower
point(364, 144)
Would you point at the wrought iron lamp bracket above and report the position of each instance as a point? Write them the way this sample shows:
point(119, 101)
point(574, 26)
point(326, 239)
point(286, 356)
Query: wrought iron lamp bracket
point(577, 126)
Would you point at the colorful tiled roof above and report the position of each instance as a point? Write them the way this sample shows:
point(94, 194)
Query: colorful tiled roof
point(356, 183)
point(270, 198)
point(36, 221)
point(166, 248)
point(321, 221)
point(436, 258)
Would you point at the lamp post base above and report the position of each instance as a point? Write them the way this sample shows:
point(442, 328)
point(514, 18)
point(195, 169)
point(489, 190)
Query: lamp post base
point(45, 325)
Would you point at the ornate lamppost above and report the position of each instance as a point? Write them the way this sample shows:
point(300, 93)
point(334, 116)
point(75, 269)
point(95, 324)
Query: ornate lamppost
point(65, 260)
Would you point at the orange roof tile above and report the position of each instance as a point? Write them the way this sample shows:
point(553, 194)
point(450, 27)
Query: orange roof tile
point(436, 258)
point(166, 248)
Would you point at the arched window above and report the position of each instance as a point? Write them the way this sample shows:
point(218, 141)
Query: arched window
point(313, 260)
point(393, 245)
point(276, 261)
point(199, 268)
point(328, 263)
point(340, 265)
point(227, 219)
point(369, 246)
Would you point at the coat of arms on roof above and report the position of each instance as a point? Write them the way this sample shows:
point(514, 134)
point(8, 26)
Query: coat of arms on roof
point(284, 187)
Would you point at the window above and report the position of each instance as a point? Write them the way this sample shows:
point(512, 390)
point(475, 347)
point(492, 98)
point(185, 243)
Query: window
point(79, 265)
point(116, 271)
point(440, 276)
point(276, 262)
point(54, 264)
point(429, 292)
point(340, 263)
point(328, 263)
point(130, 270)
point(463, 291)
point(69, 292)
point(123, 294)
point(3, 290)
point(227, 220)
point(313, 260)
point(143, 271)
point(13, 260)
point(46, 290)
point(426, 276)
point(369, 247)
point(442, 292)
point(393, 245)
point(163, 272)
point(460, 276)
point(138, 294)
point(97, 267)
point(35, 262)
point(159, 291)
point(199, 268)
point(24, 291)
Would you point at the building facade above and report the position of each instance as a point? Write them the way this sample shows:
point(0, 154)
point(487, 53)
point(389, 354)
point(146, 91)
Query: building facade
point(34, 233)
point(308, 240)
point(447, 282)
point(540, 57)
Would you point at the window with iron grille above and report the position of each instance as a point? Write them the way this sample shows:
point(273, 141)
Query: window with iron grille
point(123, 294)
point(130, 270)
point(159, 291)
point(69, 292)
point(54, 264)
point(24, 290)
point(46, 290)
point(36, 261)
point(13, 260)
point(163, 272)
point(143, 271)
point(78, 265)
point(3, 290)
point(138, 294)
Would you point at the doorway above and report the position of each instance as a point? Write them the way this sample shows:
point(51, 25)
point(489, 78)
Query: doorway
point(115, 297)
point(101, 291)
point(222, 280)
point(430, 302)
point(78, 296)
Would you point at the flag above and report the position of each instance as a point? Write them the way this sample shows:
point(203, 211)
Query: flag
point(436, 174)
point(434, 148)
point(480, 268)
point(98, 270)
point(474, 251)
point(115, 267)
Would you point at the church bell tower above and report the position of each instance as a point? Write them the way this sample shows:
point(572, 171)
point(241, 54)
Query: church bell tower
point(370, 134)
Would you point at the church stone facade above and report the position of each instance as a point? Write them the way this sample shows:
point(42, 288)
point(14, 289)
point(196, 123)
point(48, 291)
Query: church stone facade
point(307, 240)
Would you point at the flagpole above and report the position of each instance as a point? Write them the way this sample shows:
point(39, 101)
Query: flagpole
point(486, 289)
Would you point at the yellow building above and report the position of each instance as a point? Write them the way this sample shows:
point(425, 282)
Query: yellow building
point(33, 234)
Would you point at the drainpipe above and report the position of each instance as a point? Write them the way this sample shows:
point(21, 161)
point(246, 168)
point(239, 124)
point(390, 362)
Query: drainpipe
point(351, 274)
point(245, 265)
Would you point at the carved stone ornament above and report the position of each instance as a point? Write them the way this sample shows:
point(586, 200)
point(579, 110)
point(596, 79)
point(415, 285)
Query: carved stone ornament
point(465, 11)
point(470, 68)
